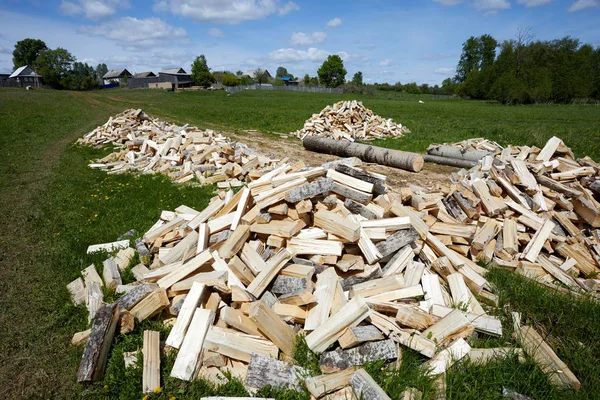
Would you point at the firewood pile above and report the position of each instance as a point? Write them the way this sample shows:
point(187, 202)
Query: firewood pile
point(350, 120)
point(361, 269)
point(149, 145)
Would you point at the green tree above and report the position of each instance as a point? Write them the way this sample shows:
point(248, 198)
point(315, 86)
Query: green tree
point(246, 80)
point(260, 76)
point(54, 66)
point(27, 51)
point(306, 80)
point(314, 81)
point(201, 73)
point(332, 73)
point(239, 73)
point(357, 79)
point(281, 72)
point(101, 70)
point(229, 80)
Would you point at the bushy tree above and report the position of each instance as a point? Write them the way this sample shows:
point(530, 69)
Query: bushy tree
point(332, 73)
point(260, 76)
point(54, 65)
point(101, 70)
point(27, 51)
point(229, 80)
point(201, 73)
point(306, 80)
point(282, 72)
point(357, 79)
point(314, 81)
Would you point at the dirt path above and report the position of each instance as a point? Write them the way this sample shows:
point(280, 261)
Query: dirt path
point(278, 148)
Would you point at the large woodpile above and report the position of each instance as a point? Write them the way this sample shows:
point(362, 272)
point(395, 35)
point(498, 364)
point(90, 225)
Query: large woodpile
point(334, 254)
point(350, 120)
point(149, 145)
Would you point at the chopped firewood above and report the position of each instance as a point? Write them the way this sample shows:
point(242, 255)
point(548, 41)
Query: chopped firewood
point(187, 360)
point(535, 346)
point(321, 385)
point(273, 327)
point(263, 371)
point(98, 344)
point(186, 313)
point(365, 386)
point(447, 357)
point(77, 291)
point(360, 334)
point(337, 360)
point(151, 368)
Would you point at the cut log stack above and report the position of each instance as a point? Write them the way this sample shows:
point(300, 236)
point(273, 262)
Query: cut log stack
point(184, 153)
point(350, 120)
point(361, 269)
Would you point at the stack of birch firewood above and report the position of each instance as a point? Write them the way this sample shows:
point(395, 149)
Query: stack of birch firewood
point(350, 120)
point(361, 269)
point(184, 153)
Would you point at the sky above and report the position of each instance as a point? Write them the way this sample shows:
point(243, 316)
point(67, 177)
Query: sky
point(389, 41)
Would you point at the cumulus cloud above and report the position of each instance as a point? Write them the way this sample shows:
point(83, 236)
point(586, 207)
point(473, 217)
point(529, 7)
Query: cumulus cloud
point(334, 23)
point(92, 9)
point(445, 71)
point(307, 39)
point(294, 55)
point(583, 4)
point(533, 3)
point(386, 63)
point(288, 7)
point(216, 32)
point(133, 32)
point(224, 11)
point(490, 6)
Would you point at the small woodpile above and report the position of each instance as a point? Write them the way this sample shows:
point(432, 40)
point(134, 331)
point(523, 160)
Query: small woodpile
point(350, 120)
point(334, 254)
point(149, 145)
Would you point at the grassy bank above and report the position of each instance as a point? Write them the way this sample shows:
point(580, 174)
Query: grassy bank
point(53, 207)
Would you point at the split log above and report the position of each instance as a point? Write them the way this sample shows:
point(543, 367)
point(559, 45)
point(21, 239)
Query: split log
point(151, 367)
point(321, 385)
point(456, 153)
point(394, 158)
point(187, 360)
point(263, 371)
point(98, 344)
point(337, 360)
point(366, 388)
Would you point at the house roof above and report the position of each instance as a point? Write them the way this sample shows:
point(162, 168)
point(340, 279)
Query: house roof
point(117, 73)
point(24, 71)
point(147, 74)
point(251, 74)
point(174, 71)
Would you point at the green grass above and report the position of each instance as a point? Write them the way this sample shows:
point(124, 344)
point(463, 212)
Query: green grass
point(53, 207)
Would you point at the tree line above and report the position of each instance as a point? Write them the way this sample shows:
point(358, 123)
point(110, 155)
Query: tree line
point(521, 70)
point(59, 68)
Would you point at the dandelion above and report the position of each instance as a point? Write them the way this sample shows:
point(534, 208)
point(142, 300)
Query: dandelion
point(158, 390)
point(105, 386)
point(146, 397)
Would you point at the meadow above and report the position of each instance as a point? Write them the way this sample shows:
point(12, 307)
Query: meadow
point(53, 207)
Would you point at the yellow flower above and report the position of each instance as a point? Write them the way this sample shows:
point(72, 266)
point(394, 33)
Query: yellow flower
point(172, 398)
point(158, 390)
point(105, 386)
point(146, 397)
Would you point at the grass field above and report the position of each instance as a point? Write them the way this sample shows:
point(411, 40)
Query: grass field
point(53, 207)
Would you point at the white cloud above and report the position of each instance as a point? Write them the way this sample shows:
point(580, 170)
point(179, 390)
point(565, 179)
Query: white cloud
point(307, 39)
point(386, 63)
point(445, 71)
point(583, 4)
point(490, 6)
point(293, 55)
point(334, 23)
point(216, 32)
point(448, 2)
point(288, 7)
point(133, 32)
point(533, 3)
point(224, 11)
point(92, 9)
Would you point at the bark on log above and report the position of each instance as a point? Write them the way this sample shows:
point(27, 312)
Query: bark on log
point(453, 162)
point(394, 158)
point(455, 152)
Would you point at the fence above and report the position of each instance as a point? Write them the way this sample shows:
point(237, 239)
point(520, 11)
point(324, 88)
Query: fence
point(313, 89)
point(14, 83)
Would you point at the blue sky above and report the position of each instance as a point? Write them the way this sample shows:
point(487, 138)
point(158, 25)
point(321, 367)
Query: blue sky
point(388, 41)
